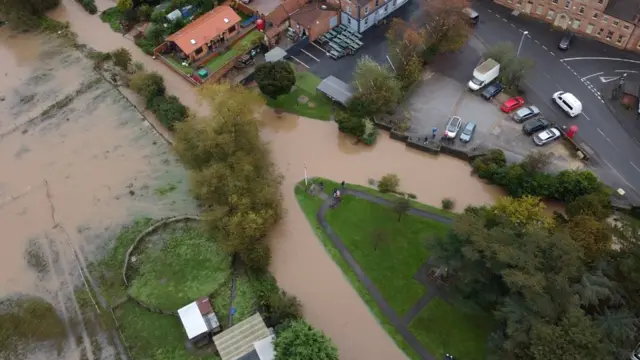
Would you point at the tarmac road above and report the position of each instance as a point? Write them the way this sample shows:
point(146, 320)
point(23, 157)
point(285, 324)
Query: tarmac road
point(617, 153)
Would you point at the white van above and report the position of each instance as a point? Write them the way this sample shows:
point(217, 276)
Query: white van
point(569, 103)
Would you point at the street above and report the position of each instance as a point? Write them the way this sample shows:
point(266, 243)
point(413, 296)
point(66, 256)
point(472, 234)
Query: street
point(581, 70)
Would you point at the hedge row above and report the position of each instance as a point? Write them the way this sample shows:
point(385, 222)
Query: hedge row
point(520, 179)
point(168, 109)
point(89, 5)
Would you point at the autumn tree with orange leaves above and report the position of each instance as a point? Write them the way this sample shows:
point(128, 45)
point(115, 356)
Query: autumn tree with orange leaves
point(406, 48)
point(447, 27)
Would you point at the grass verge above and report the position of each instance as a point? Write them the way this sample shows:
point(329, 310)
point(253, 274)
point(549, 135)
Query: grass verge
point(442, 329)
point(318, 106)
point(389, 250)
point(219, 61)
point(310, 206)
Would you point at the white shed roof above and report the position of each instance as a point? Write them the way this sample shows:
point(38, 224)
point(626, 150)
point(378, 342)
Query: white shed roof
point(264, 348)
point(192, 320)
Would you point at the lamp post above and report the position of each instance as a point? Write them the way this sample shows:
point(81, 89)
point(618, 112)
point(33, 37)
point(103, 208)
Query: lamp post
point(521, 40)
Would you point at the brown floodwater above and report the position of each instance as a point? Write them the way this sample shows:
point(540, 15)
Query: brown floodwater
point(90, 166)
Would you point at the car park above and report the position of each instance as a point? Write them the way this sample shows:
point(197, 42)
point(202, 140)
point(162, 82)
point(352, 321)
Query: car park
point(452, 128)
point(568, 102)
point(546, 136)
point(535, 125)
point(512, 104)
point(467, 132)
point(566, 41)
point(492, 91)
point(525, 114)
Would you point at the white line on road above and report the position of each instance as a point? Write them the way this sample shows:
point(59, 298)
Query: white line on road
point(544, 47)
point(610, 142)
point(592, 75)
point(323, 50)
point(301, 63)
point(637, 142)
point(552, 53)
point(601, 58)
point(313, 57)
point(627, 71)
point(634, 165)
point(503, 19)
point(536, 41)
point(498, 16)
point(620, 176)
point(586, 117)
point(490, 11)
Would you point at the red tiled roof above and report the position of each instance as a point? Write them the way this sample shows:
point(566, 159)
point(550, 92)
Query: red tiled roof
point(310, 14)
point(204, 28)
point(278, 16)
point(204, 305)
point(292, 6)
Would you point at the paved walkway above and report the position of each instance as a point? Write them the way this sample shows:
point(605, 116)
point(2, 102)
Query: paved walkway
point(400, 323)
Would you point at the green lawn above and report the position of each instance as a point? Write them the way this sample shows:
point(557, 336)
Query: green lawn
point(219, 61)
point(318, 107)
point(112, 16)
point(182, 268)
point(400, 253)
point(442, 329)
point(178, 65)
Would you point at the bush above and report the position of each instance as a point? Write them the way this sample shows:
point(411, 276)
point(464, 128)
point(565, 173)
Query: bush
point(448, 204)
point(487, 165)
point(121, 58)
point(144, 12)
point(363, 129)
point(389, 183)
point(275, 305)
point(89, 5)
point(370, 133)
point(169, 110)
point(148, 85)
point(412, 196)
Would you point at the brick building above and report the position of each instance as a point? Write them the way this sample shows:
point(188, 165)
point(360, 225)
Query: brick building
point(613, 22)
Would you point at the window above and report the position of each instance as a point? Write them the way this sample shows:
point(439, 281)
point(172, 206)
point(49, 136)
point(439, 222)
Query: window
point(351, 21)
point(616, 22)
point(620, 38)
point(199, 51)
point(581, 11)
point(550, 14)
point(599, 33)
point(590, 28)
point(349, 9)
point(605, 19)
point(539, 10)
point(609, 35)
point(626, 26)
point(366, 20)
point(600, 2)
point(386, 8)
point(366, 9)
point(638, 45)
point(576, 24)
point(555, 2)
point(595, 15)
point(377, 2)
point(567, 4)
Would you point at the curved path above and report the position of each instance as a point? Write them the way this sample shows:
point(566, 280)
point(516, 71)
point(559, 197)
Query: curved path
point(400, 323)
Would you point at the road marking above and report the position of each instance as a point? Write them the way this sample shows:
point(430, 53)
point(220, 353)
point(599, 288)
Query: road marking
point(544, 47)
point(634, 165)
point(637, 142)
point(491, 11)
point(513, 25)
point(610, 142)
point(552, 53)
point(606, 79)
point(313, 57)
point(620, 176)
point(585, 115)
point(601, 58)
point(301, 63)
point(592, 75)
point(536, 41)
point(323, 50)
point(628, 71)
point(498, 16)
point(503, 19)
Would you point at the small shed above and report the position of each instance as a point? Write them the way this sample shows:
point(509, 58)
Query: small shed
point(174, 15)
point(199, 321)
point(275, 54)
point(336, 89)
point(247, 340)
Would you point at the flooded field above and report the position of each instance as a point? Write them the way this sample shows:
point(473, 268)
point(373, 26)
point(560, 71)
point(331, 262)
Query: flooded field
point(78, 163)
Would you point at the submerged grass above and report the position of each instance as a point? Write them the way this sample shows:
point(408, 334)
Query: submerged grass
point(318, 106)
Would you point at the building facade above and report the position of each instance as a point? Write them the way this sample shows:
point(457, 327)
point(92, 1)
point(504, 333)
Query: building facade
point(360, 15)
point(613, 22)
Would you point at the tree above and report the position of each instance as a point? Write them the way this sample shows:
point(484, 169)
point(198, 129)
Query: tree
point(406, 46)
point(536, 161)
point(389, 183)
point(513, 68)
point(377, 90)
point(380, 236)
point(149, 85)
point(300, 341)
point(122, 58)
point(231, 171)
point(25, 13)
point(124, 5)
point(596, 205)
point(169, 110)
point(571, 184)
point(591, 235)
point(275, 78)
point(276, 305)
point(401, 206)
point(527, 212)
point(447, 26)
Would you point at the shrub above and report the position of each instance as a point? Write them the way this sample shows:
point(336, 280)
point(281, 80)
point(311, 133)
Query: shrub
point(412, 196)
point(389, 183)
point(276, 305)
point(144, 12)
point(121, 58)
point(169, 110)
point(448, 204)
point(487, 165)
point(370, 133)
point(89, 5)
point(349, 124)
point(148, 85)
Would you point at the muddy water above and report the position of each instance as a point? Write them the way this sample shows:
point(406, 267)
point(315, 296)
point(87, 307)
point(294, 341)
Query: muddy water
point(300, 262)
point(78, 163)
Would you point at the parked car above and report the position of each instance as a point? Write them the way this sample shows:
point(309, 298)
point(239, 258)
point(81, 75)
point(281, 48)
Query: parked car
point(546, 136)
point(492, 90)
point(566, 41)
point(568, 102)
point(535, 125)
point(512, 104)
point(453, 126)
point(525, 114)
point(467, 132)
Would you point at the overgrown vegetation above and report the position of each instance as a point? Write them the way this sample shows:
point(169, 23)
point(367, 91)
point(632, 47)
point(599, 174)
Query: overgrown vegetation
point(26, 14)
point(89, 6)
point(513, 68)
point(300, 341)
point(168, 109)
point(232, 173)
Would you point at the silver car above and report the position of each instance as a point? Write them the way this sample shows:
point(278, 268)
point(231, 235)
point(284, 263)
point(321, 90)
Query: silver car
point(467, 132)
point(452, 128)
point(546, 136)
point(525, 113)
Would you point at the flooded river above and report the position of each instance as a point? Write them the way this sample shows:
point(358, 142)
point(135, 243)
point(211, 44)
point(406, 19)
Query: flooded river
point(89, 168)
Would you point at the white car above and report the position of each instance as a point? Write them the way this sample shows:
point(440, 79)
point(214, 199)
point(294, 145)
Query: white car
point(568, 102)
point(546, 136)
point(453, 126)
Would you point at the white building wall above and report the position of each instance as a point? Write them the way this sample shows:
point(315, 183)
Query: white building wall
point(382, 12)
point(349, 21)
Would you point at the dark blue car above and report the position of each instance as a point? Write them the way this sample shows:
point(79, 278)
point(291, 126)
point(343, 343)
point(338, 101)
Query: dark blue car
point(492, 90)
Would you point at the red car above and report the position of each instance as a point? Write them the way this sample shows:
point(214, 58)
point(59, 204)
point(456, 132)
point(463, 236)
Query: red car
point(512, 104)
